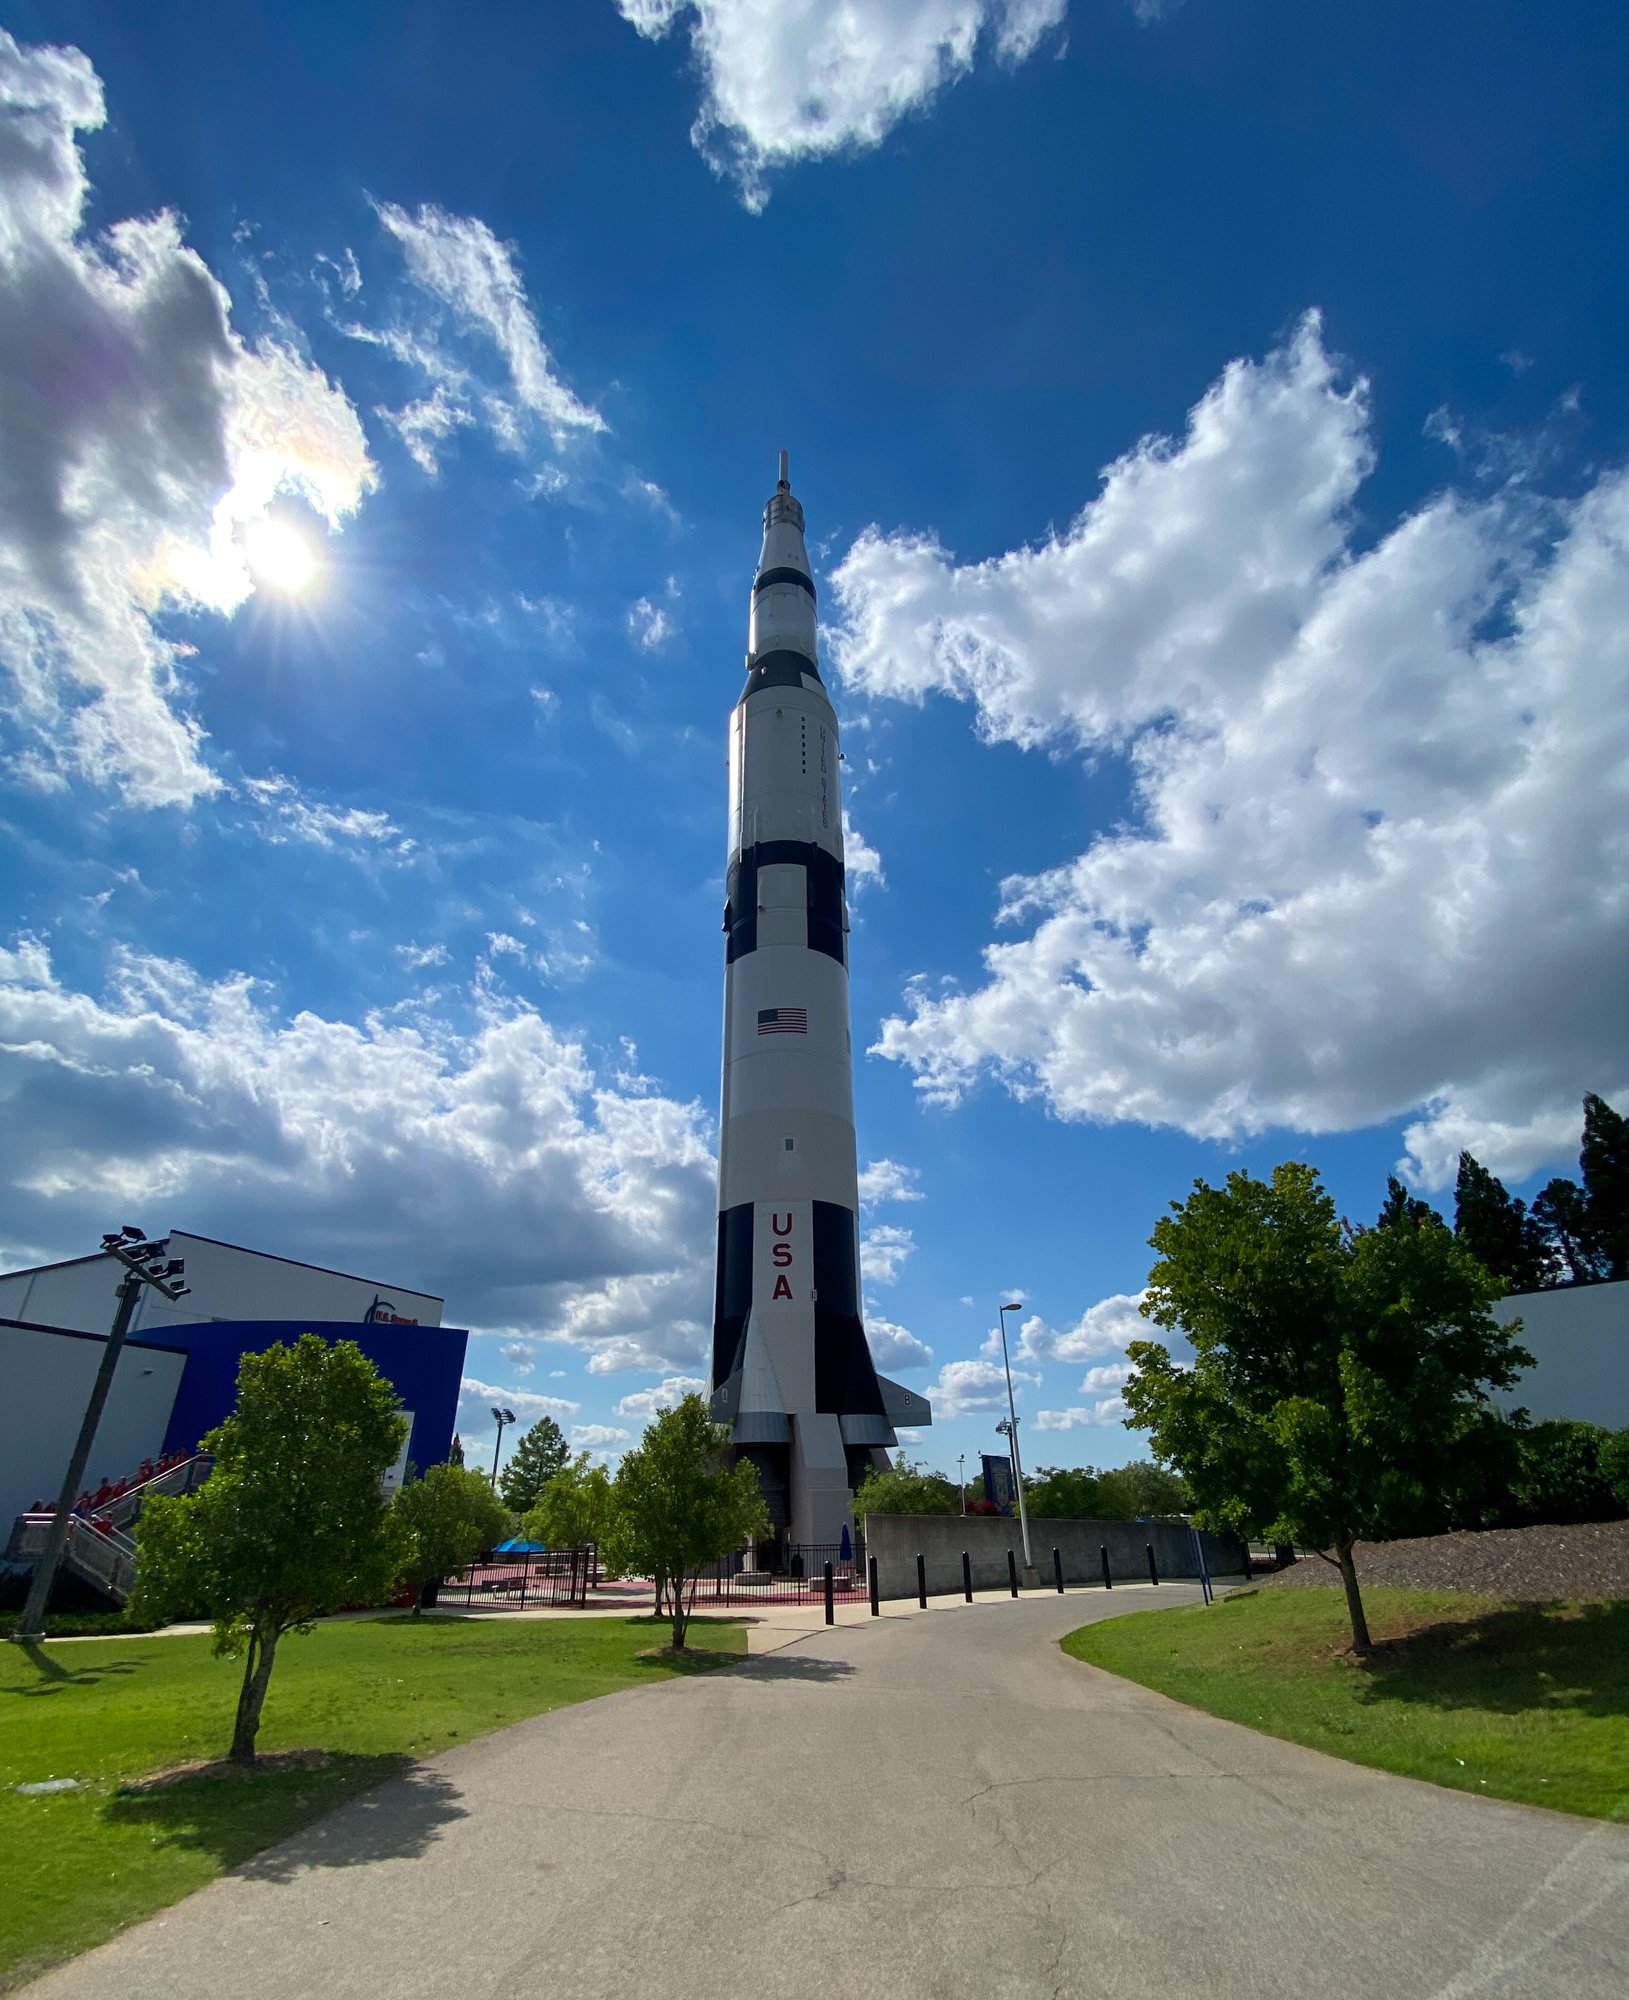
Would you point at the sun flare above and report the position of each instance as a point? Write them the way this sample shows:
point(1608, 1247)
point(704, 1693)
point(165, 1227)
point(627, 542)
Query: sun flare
point(279, 556)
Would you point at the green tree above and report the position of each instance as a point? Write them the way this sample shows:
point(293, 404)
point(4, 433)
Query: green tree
point(678, 1503)
point(573, 1509)
point(1561, 1210)
point(456, 1455)
point(904, 1489)
point(442, 1522)
point(1564, 1474)
point(1142, 1491)
point(291, 1523)
point(532, 1464)
point(1603, 1162)
point(1497, 1230)
point(1339, 1380)
point(1065, 1493)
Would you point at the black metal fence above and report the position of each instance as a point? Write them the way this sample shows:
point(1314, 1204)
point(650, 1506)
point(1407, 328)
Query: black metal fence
point(799, 1577)
point(562, 1578)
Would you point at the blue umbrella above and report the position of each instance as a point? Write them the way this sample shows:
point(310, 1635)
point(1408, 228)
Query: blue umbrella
point(515, 1547)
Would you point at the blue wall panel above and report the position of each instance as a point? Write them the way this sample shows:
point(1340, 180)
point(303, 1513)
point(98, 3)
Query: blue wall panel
point(424, 1364)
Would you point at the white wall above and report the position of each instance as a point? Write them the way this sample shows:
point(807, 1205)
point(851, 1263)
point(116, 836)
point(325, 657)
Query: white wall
point(45, 1381)
point(227, 1283)
point(1579, 1339)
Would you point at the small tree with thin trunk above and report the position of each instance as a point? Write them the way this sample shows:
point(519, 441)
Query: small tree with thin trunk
point(678, 1503)
point(1338, 1388)
point(441, 1523)
point(573, 1508)
point(291, 1523)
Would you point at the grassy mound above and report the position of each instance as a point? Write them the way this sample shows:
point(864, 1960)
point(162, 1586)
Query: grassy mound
point(1513, 1701)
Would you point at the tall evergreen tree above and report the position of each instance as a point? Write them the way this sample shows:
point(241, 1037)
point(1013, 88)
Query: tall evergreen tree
point(1401, 1206)
point(1604, 1163)
point(1497, 1230)
point(1561, 1210)
point(533, 1463)
point(456, 1455)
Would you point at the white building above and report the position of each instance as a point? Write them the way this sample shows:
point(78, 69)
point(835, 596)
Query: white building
point(227, 1282)
point(1579, 1340)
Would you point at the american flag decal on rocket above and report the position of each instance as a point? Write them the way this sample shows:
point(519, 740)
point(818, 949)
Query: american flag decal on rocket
point(783, 1020)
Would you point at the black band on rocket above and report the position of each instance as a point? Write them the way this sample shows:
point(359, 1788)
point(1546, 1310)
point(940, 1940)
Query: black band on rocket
point(783, 576)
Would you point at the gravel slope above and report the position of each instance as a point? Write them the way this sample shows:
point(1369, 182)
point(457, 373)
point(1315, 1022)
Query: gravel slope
point(1591, 1560)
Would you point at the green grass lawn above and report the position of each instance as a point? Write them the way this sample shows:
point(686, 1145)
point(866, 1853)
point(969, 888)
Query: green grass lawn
point(376, 1694)
point(1513, 1701)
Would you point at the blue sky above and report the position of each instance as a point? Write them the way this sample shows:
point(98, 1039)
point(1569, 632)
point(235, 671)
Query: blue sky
point(1211, 421)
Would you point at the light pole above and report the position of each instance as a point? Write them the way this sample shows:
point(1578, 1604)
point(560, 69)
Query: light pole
point(145, 1264)
point(1017, 1462)
point(503, 1417)
point(961, 1460)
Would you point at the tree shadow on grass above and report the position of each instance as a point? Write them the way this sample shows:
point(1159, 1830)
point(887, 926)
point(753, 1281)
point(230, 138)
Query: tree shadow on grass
point(1518, 1659)
point(271, 1823)
point(55, 1675)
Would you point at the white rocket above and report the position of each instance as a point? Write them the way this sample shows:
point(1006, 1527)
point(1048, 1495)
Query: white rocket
point(791, 1371)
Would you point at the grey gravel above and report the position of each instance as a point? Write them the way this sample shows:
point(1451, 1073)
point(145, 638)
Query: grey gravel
point(1523, 1565)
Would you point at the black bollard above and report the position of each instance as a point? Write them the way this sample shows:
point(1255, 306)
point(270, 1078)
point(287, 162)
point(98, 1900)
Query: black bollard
point(1012, 1571)
point(871, 1570)
point(1057, 1568)
point(967, 1577)
point(921, 1582)
point(1153, 1567)
point(831, 1616)
point(1103, 1558)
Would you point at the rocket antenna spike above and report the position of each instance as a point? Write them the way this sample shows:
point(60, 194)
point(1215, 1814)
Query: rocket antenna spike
point(785, 482)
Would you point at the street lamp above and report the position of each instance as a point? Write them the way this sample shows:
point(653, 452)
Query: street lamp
point(961, 1460)
point(145, 1264)
point(1017, 1462)
point(503, 1417)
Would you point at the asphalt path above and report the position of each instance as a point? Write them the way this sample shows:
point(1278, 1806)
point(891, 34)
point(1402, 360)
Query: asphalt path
point(940, 1804)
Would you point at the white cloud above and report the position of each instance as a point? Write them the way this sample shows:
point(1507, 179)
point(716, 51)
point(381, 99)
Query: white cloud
point(476, 1399)
point(887, 1180)
point(861, 861)
point(1103, 1329)
point(966, 1387)
point(803, 79)
point(417, 957)
point(457, 260)
point(1109, 1410)
point(426, 424)
point(1382, 833)
point(894, 1346)
point(644, 1404)
point(153, 437)
point(482, 1157)
point(597, 1437)
point(649, 626)
point(294, 816)
point(884, 1250)
point(1109, 1375)
point(519, 1354)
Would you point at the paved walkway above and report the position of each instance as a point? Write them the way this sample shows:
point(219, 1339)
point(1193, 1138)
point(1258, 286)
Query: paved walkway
point(932, 1804)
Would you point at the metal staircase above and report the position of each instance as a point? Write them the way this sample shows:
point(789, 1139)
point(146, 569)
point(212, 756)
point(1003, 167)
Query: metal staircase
point(105, 1557)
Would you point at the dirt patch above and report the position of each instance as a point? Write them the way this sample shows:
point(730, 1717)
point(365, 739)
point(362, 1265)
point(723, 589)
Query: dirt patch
point(223, 1767)
point(1520, 1565)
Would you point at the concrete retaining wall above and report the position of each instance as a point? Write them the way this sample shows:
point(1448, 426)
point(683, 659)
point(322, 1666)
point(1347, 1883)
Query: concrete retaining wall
point(895, 1539)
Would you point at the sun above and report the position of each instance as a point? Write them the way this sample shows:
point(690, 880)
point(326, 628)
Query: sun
point(279, 556)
